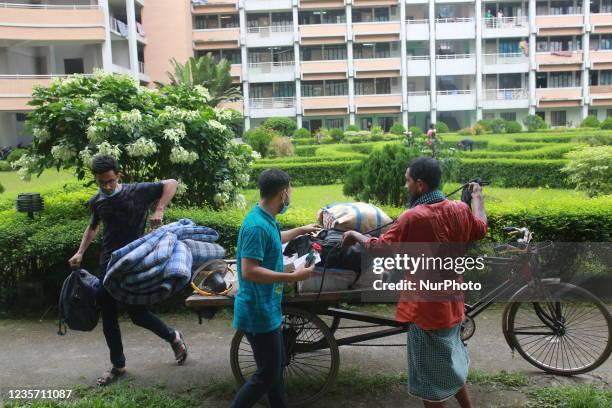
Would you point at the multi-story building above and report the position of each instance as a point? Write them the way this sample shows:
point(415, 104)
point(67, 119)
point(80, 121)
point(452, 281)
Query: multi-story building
point(332, 63)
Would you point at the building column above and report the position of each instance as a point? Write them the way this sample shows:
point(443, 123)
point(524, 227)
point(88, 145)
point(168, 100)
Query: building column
point(107, 54)
point(244, 62)
point(296, 58)
point(349, 60)
point(132, 45)
point(432, 61)
point(479, 100)
point(52, 66)
point(532, 57)
point(586, 65)
point(403, 65)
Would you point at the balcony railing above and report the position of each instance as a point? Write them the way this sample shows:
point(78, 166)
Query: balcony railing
point(509, 94)
point(456, 92)
point(51, 6)
point(418, 21)
point(419, 93)
point(454, 20)
point(42, 76)
point(454, 56)
point(272, 103)
point(505, 58)
point(505, 22)
point(268, 66)
point(266, 30)
point(418, 57)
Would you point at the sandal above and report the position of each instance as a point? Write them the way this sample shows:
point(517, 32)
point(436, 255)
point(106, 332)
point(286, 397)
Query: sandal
point(180, 349)
point(111, 376)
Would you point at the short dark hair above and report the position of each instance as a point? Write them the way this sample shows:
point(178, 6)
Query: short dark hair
point(272, 181)
point(103, 163)
point(426, 169)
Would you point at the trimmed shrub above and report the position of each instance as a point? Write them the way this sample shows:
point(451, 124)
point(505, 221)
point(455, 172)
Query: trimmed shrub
point(534, 122)
point(306, 151)
point(512, 126)
point(416, 131)
point(284, 126)
point(260, 139)
point(397, 129)
point(281, 147)
point(441, 127)
point(337, 134)
point(15, 155)
point(498, 125)
point(468, 131)
point(513, 172)
point(5, 166)
point(486, 124)
point(590, 122)
point(478, 129)
point(301, 133)
point(590, 169)
point(309, 174)
point(606, 123)
point(353, 128)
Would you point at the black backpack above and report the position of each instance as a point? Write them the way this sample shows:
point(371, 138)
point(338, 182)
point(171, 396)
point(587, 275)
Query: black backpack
point(77, 302)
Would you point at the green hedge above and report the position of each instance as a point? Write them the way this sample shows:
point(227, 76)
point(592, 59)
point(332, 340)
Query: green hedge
point(556, 151)
point(309, 174)
point(514, 172)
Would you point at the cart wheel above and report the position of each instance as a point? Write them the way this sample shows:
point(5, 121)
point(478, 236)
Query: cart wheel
point(312, 357)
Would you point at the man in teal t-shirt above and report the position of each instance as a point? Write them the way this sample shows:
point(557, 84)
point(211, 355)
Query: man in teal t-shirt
point(257, 307)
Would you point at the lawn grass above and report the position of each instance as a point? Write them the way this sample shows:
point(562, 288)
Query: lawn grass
point(570, 396)
point(50, 179)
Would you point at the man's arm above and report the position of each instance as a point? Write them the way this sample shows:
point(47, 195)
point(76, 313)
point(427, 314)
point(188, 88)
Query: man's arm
point(88, 237)
point(168, 193)
point(288, 235)
point(252, 271)
point(478, 202)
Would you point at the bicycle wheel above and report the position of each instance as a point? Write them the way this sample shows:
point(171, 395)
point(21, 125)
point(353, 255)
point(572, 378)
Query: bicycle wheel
point(311, 352)
point(567, 335)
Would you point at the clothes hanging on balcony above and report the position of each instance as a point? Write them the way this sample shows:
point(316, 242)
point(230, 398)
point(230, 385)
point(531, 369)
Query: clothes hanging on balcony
point(140, 29)
point(122, 28)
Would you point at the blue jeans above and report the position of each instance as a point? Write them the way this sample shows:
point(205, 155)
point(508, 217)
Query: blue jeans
point(269, 353)
point(140, 316)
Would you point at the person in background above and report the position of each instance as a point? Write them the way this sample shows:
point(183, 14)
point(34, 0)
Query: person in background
point(489, 17)
point(466, 144)
point(123, 209)
point(437, 358)
point(257, 306)
point(431, 133)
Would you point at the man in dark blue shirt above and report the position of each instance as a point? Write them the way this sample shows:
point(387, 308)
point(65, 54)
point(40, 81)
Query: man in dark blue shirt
point(123, 209)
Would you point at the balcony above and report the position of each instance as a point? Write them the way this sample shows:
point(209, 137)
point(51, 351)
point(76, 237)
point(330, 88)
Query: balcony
point(236, 73)
point(569, 24)
point(514, 98)
point(237, 105)
point(16, 90)
point(377, 67)
point(270, 36)
point(601, 59)
point(320, 4)
point(283, 71)
point(267, 107)
point(322, 34)
point(419, 101)
point(601, 23)
point(417, 30)
point(559, 61)
point(455, 28)
point(321, 70)
point(601, 95)
point(325, 105)
point(215, 7)
point(390, 103)
point(505, 63)
point(558, 97)
point(418, 65)
point(505, 27)
point(456, 64)
point(213, 39)
point(267, 5)
point(376, 32)
point(42, 22)
point(464, 99)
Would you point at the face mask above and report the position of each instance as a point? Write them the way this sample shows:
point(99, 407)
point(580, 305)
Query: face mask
point(284, 207)
point(114, 193)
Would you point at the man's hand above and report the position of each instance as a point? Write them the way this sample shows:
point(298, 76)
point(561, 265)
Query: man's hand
point(307, 229)
point(75, 261)
point(476, 189)
point(348, 239)
point(301, 274)
point(157, 219)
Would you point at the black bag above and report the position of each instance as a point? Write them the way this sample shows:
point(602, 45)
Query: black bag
point(77, 302)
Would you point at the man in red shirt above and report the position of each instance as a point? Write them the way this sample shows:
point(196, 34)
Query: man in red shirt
point(437, 358)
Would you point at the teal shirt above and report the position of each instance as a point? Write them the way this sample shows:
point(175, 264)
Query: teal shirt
point(257, 307)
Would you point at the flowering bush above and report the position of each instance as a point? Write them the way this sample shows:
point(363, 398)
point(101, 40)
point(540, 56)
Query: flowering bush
point(171, 132)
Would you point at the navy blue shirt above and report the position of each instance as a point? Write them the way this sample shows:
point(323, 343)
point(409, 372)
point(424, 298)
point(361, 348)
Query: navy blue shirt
point(123, 215)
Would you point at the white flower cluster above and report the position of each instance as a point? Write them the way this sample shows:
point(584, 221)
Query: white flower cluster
point(26, 165)
point(99, 73)
point(240, 201)
point(223, 114)
point(62, 153)
point(232, 162)
point(170, 112)
point(130, 120)
point(255, 155)
point(180, 155)
point(142, 147)
point(86, 157)
point(109, 149)
point(175, 134)
point(216, 125)
point(90, 101)
point(41, 134)
point(202, 91)
point(221, 199)
point(181, 188)
point(226, 186)
point(243, 179)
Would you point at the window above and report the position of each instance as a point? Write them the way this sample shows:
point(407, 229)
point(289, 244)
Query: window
point(284, 89)
point(312, 88)
point(363, 51)
point(508, 115)
point(362, 15)
point(488, 116)
point(382, 50)
point(608, 113)
point(364, 86)
point(381, 14)
point(282, 19)
point(383, 86)
point(386, 123)
point(73, 66)
point(557, 118)
point(541, 114)
point(323, 53)
point(207, 22)
point(322, 17)
point(20, 117)
point(366, 123)
point(560, 80)
point(230, 21)
point(593, 112)
point(605, 78)
point(336, 88)
point(335, 123)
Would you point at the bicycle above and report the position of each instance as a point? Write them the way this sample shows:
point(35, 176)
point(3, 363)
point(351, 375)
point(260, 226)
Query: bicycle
point(556, 326)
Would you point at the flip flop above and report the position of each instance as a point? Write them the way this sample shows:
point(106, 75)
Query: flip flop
point(110, 376)
point(180, 349)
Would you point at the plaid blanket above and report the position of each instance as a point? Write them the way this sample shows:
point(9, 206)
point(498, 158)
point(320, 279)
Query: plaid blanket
point(159, 264)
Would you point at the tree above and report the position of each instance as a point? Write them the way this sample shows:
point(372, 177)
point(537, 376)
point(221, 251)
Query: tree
point(171, 132)
point(212, 75)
